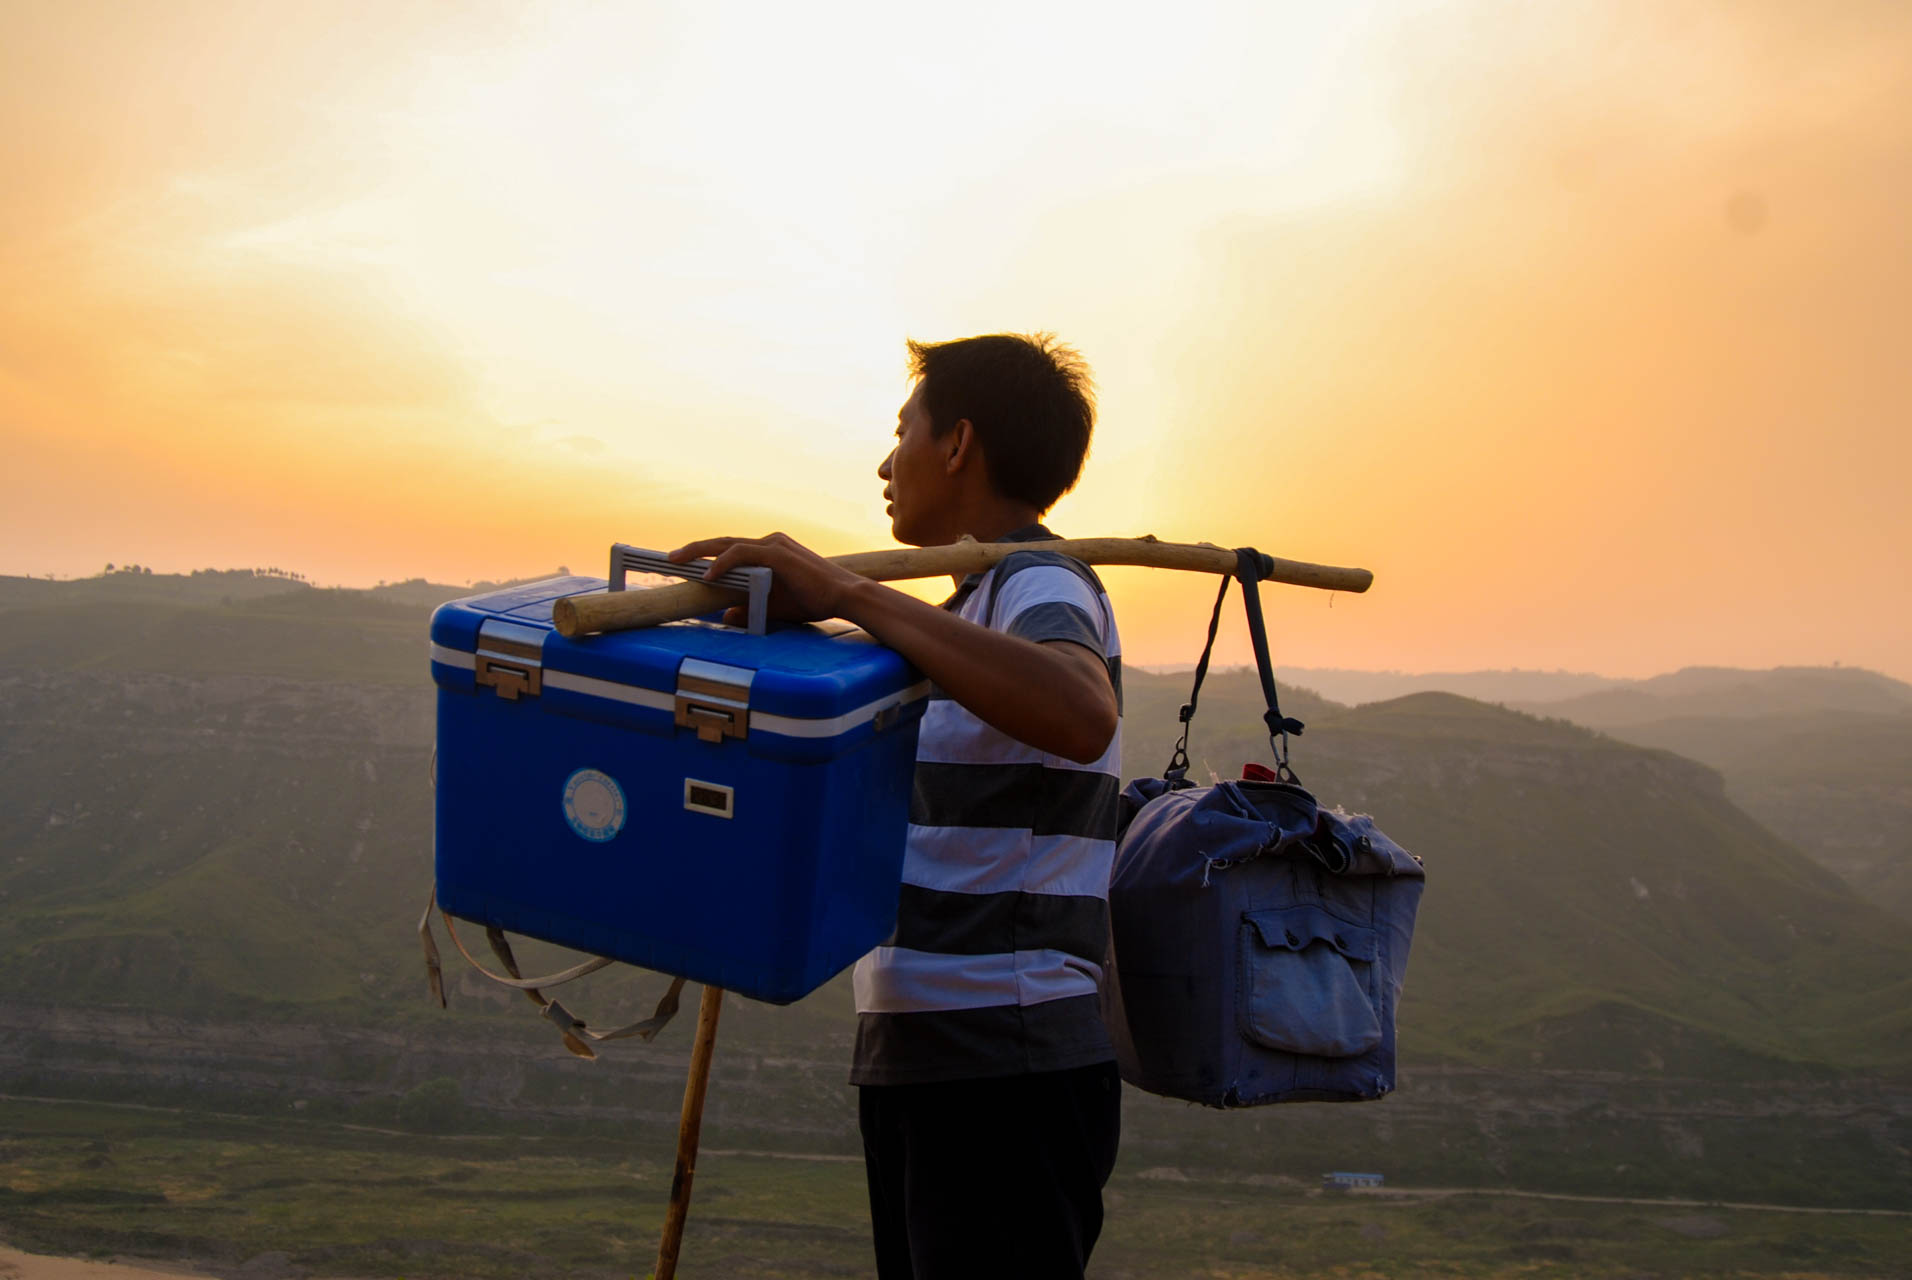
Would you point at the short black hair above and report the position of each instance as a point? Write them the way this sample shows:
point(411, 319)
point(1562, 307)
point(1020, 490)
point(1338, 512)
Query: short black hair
point(1029, 398)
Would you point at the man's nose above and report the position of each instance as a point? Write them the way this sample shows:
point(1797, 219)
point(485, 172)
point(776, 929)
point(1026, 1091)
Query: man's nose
point(883, 471)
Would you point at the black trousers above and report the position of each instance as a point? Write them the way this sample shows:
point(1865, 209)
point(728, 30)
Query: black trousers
point(998, 1178)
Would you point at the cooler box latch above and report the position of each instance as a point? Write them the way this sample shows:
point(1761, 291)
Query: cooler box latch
point(510, 659)
point(714, 700)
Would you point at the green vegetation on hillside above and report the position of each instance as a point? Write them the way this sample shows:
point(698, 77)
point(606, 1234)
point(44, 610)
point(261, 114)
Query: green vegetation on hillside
point(227, 805)
point(220, 812)
point(1821, 755)
point(230, 1192)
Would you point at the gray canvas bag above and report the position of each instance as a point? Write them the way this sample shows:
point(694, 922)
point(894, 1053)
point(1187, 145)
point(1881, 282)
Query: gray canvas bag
point(1258, 939)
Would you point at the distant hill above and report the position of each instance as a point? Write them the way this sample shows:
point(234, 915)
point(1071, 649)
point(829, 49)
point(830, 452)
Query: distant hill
point(224, 808)
point(214, 586)
point(1354, 687)
point(421, 594)
point(1611, 905)
point(1729, 693)
point(1821, 755)
point(1837, 784)
point(126, 586)
point(1607, 702)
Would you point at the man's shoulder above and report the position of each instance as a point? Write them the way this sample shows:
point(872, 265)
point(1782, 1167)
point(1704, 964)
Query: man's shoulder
point(1019, 562)
point(1043, 596)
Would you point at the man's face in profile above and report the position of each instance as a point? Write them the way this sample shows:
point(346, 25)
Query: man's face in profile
point(915, 480)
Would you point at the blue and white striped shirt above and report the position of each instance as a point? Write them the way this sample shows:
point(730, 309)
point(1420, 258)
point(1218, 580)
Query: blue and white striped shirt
point(1003, 923)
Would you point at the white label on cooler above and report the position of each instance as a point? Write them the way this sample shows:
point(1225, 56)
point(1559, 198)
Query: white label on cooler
point(594, 805)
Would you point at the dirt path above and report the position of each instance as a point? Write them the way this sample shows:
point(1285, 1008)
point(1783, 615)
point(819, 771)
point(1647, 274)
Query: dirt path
point(1437, 1193)
point(15, 1265)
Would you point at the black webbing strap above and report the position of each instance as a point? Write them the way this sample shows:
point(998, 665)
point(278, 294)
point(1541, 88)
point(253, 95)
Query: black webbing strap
point(1250, 566)
point(1178, 762)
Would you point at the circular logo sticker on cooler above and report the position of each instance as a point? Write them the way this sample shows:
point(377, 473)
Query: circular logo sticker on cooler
point(594, 804)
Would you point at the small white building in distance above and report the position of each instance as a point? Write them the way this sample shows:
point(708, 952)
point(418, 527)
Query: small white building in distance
point(1349, 1181)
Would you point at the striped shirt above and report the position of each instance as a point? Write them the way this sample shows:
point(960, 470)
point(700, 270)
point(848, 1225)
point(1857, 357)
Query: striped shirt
point(1003, 922)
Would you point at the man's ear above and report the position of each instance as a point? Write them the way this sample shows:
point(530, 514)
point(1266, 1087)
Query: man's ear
point(960, 447)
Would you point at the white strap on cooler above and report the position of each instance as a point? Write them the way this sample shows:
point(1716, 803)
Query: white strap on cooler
point(570, 1026)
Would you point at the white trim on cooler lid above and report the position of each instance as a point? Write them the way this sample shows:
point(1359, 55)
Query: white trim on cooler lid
point(636, 695)
point(610, 690)
point(760, 721)
point(791, 727)
point(454, 657)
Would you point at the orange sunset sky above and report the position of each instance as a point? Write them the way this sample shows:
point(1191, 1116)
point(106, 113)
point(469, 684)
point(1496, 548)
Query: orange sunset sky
point(1586, 326)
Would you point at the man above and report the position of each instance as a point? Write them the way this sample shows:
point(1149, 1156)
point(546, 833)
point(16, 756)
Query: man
point(989, 1099)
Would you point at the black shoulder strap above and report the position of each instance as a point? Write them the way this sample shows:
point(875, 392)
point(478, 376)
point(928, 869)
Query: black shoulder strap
point(1250, 566)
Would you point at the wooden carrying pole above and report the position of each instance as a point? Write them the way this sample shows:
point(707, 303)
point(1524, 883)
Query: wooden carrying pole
point(689, 1124)
point(624, 610)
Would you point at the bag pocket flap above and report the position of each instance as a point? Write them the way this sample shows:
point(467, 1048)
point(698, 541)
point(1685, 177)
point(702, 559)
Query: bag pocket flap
point(1304, 986)
point(1296, 928)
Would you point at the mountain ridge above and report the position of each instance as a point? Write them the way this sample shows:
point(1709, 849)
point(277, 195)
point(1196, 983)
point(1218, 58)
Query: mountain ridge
point(262, 766)
point(215, 817)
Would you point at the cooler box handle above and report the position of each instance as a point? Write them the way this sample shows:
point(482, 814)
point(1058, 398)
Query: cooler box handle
point(753, 580)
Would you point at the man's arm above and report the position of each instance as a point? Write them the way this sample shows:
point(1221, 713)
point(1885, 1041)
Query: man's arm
point(1055, 697)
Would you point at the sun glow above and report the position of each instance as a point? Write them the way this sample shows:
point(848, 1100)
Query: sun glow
point(629, 254)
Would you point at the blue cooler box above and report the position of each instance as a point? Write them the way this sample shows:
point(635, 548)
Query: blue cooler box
point(691, 798)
